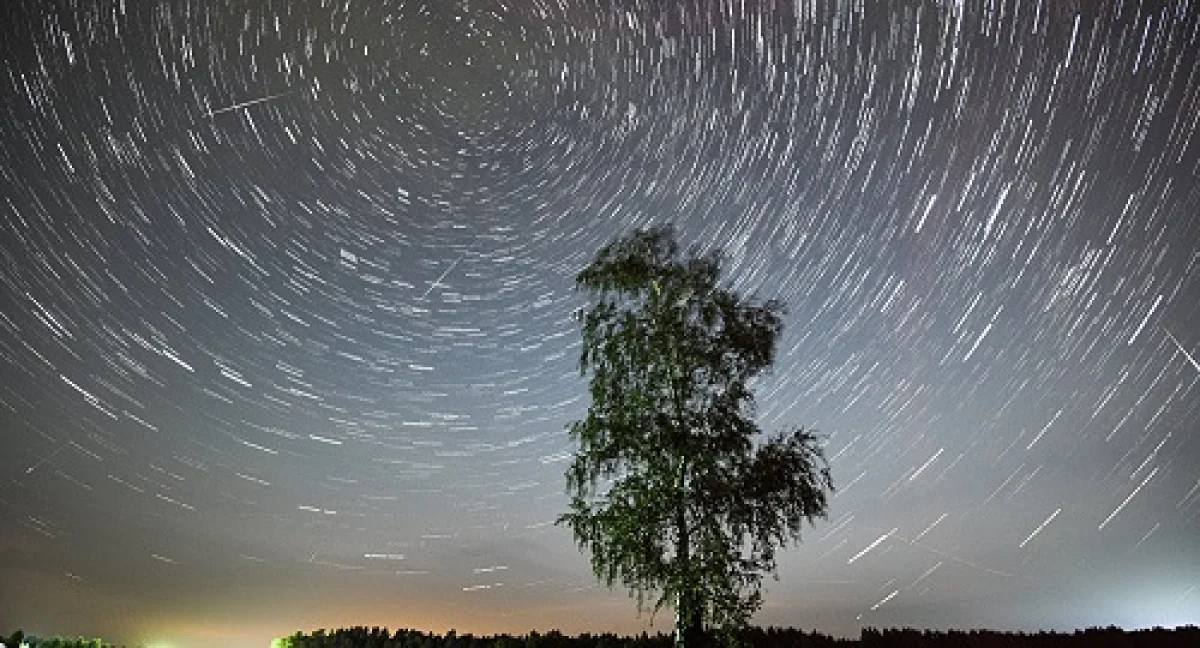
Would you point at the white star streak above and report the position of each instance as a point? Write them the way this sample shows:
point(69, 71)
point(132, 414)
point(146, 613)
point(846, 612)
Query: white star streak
point(1040, 527)
point(1131, 495)
point(872, 546)
point(930, 527)
point(926, 464)
point(1046, 427)
point(1149, 314)
point(885, 599)
point(926, 574)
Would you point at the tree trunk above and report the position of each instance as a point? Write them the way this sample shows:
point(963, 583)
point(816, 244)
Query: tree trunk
point(689, 614)
point(689, 622)
point(690, 631)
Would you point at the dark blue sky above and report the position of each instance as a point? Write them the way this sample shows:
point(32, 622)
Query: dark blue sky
point(286, 341)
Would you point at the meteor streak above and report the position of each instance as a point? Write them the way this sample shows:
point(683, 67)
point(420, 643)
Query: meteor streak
point(246, 104)
point(444, 274)
point(1182, 350)
point(46, 458)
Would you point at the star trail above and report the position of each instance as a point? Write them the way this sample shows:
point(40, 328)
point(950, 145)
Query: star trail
point(285, 305)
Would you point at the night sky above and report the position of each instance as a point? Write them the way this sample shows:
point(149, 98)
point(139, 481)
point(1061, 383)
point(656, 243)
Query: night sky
point(286, 296)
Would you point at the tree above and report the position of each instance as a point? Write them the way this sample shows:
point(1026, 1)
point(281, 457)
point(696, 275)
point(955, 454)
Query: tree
point(674, 489)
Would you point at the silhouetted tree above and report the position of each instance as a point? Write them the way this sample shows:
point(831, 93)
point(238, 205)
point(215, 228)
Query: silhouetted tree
point(674, 490)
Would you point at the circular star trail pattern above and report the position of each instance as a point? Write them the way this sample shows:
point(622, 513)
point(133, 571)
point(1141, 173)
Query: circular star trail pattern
point(286, 296)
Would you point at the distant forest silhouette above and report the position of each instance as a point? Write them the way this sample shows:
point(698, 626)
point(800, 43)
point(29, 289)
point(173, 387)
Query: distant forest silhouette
point(1111, 637)
point(363, 637)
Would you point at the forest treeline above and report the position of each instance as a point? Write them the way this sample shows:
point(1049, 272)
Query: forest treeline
point(1111, 637)
point(363, 637)
point(19, 640)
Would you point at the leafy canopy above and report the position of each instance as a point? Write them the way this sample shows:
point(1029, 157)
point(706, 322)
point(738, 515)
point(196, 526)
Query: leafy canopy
point(674, 488)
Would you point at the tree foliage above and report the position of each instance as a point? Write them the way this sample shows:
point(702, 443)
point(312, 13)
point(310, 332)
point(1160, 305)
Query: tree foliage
point(675, 490)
